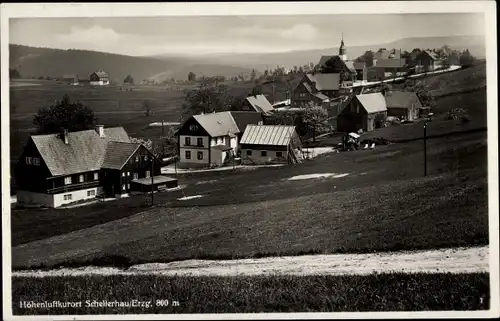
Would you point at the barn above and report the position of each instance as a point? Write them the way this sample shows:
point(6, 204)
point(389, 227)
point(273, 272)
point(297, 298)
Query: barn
point(362, 112)
point(269, 144)
point(403, 104)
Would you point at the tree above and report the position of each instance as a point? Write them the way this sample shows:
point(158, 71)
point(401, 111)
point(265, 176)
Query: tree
point(146, 104)
point(257, 90)
point(191, 76)
point(367, 58)
point(129, 80)
point(314, 118)
point(206, 99)
point(64, 114)
point(466, 58)
point(14, 73)
point(253, 75)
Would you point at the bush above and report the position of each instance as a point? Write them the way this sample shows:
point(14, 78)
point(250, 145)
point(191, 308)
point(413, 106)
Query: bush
point(465, 119)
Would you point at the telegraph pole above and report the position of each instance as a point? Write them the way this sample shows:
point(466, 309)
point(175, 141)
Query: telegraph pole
point(152, 185)
point(425, 148)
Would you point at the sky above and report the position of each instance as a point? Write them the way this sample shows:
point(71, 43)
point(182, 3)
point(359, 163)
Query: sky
point(140, 36)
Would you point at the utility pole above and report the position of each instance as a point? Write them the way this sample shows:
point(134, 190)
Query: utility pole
point(162, 121)
point(152, 185)
point(425, 148)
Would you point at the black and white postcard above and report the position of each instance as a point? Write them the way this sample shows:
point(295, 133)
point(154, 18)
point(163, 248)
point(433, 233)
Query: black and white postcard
point(249, 160)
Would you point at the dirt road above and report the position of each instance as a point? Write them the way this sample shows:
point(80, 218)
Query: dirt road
point(456, 260)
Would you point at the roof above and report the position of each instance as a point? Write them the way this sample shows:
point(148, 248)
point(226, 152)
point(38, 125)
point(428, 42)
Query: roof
point(401, 99)
point(329, 81)
point(260, 103)
point(324, 59)
point(221, 147)
point(390, 63)
point(101, 74)
point(218, 124)
point(245, 118)
point(372, 103)
point(384, 54)
point(118, 153)
point(350, 65)
point(321, 96)
point(84, 152)
point(275, 135)
point(431, 54)
point(156, 180)
point(354, 135)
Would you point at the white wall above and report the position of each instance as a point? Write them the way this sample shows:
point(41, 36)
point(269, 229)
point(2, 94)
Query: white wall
point(76, 196)
point(194, 155)
point(194, 139)
point(54, 200)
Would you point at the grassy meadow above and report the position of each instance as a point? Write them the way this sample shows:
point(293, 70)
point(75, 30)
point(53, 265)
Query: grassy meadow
point(379, 292)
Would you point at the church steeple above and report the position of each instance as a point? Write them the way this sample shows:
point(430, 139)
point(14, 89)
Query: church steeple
point(342, 50)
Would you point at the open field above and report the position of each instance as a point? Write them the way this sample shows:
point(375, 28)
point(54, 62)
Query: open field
point(373, 208)
point(379, 292)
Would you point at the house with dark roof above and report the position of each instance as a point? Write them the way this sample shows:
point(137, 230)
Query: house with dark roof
point(392, 67)
point(211, 139)
point(428, 61)
point(362, 112)
point(258, 103)
point(59, 169)
point(403, 104)
point(99, 78)
point(267, 144)
point(317, 88)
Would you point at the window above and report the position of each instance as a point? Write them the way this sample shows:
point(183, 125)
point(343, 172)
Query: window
point(36, 161)
point(29, 160)
point(148, 173)
point(81, 178)
point(263, 153)
point(302, 95)
point(128, 173)
point(67, 180)
point(128, 186)
point(188, 154)
point(96, 176)
point(123, 187)
point(137, 159)
point(146, 158)
point(249, 153)
point(68, 197)
point(187, 141)
point(90, 193)
point(279, 154)
point(199, 141)
point(200, 155)
point(123, 174)
point(136, 175)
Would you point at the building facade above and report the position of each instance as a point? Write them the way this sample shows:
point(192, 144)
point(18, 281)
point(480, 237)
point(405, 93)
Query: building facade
point(362, 112)
point(99, 78)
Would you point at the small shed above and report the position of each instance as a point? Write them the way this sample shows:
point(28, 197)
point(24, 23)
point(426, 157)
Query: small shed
point(362, 112)
point(403, 104)
point(159, 183)
point(265, 144)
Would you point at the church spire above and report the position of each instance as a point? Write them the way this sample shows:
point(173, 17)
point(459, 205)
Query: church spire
point(342, 50)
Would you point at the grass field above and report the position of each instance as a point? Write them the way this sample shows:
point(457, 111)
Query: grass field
point(382, 292)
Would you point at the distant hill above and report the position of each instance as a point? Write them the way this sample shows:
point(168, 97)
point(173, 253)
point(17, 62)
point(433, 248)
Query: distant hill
point(475, 44)
point(47, 62)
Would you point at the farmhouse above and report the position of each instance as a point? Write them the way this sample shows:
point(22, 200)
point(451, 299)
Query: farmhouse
point(265, 144)
point(99, 78)
point(317, 88)
point(211, 139)
point(59, 169)
point(428, 61)
point(362, 112)
point(403, 104)
point(391, 67)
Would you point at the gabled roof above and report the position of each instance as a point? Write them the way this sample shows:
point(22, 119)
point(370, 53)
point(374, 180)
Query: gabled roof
point(118, 153)
point(390, 63)
point(329, 81)
point(101, 74)
point(275, 135)
point(321, 96)
point(350, 65)
point(218, 124)
point(373, 103)
point(431, 54)
point(84, 152)
point(245, 118)
point(401, 99)
point(260, 103)
point(324, 59)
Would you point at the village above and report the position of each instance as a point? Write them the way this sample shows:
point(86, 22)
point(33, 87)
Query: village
point(76, 167)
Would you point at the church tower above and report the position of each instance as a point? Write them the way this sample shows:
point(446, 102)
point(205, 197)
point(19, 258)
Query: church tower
point(342, 50)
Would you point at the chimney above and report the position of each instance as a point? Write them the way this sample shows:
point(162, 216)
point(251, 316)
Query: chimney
point(65, 136)
point(100, 130)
